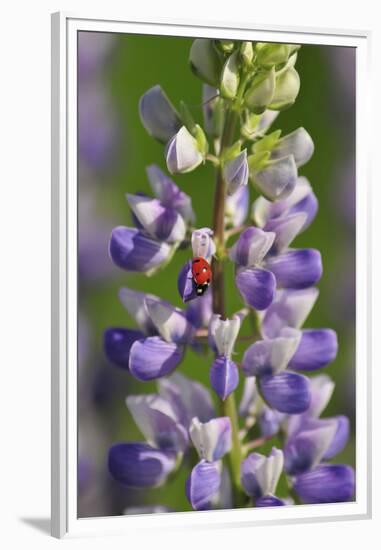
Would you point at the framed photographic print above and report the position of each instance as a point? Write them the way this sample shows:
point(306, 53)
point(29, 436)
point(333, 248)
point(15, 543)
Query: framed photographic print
point(211, 288)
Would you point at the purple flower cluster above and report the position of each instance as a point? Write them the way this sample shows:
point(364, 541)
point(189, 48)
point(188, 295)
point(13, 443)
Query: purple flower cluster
point(281, 400)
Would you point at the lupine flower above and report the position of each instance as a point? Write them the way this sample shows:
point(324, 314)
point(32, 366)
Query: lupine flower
point(158, 115)
point(237, 207)
point(202, 246)
point(236, 173)
point(260, 476)
point(224, 372)
point(278, 179)
point(183, 153)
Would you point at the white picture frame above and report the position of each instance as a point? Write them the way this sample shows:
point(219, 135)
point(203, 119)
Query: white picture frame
point(64, 278)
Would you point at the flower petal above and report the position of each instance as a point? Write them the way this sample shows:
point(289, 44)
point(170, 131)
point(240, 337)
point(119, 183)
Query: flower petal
point(236, 173)
point(185, 283)
point(224, 376)
point(170, 322)
point(169, 194)
point(237, 207)
point(276, 181)
point(223, 333)
point(152, 358)
point(134, 302)
point(260, 474)
point(188, 398)
point(251, 247)
point(340, 438)
point(317, 348)
point(130, 249)
point(202, 484)
point(158, 422)
point(286, 228)
point(161, 222)
point(256, 286)
point(249, 397)
point(269, 500)
point(158, 115)
point(286, 392)
point(326, 483)
point(321, 391)
point(139, 465)
point(270, 356)
point(212, 439)
point(299, 144)
point(290, 308)
point(306, 449)
point(202, 243)
point(269, 421)
point(182, 153)
point(296, 269)
point(117, 344)
point(199, 312)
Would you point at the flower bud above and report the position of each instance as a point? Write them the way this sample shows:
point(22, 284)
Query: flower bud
point(226, 46)
point(247, 53)
point(230, 77)
point(206, 61)
point(261, 91)
point(183, 153)
point(287, 87)
point(158, 115)
point(277, 179)
point(272, 54)
point(236, 172)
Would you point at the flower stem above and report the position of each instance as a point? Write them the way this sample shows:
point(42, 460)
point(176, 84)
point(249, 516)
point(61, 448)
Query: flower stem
point(228, 407)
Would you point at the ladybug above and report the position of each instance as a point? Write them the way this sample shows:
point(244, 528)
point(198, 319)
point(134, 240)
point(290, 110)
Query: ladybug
point(202, 274)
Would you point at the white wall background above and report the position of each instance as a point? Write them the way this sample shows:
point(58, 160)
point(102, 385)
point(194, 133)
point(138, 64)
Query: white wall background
point(25, 268)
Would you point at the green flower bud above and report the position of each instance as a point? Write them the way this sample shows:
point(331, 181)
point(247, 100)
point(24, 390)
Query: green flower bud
point(230, 77)
point(200, 137)
point(206, 62)
point(272, 54)
point(247, 53)
point(226, 46)
point(261, 91)
point(287, 87)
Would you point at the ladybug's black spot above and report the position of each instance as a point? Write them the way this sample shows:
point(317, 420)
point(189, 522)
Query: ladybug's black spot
point(196, 261)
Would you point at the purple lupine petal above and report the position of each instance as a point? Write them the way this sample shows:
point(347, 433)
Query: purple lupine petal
point(290, 308)
point(260, 474)
point(223, 334)
point(251, 247)
point(299, 144)
point(140, 465)
point(182, 153)
point(270, 356)
point(202, 484)
point(236, 173)
point(277, 181)
point(224, 376)
point(158, 115)
point(296, 269)
point(286, 392)
point(134, 302)
point(131, 250)
point(340, 438)
point(202, 243)
point(185, 283)
point(269, 500)
point(237, 207)
point(188, 398)
point(249, 397)
point(161, 222)
point(169, 194)
point(306, 449)
point(286, 229)
point(257, 287)
point(158, 422)
point(269, 421)
point(212, 439)
point(326, 483)
point(317, 348)
point(301, 200)
point(200, 311)
point(152, 358)
point(170, 322)
point(117, 343)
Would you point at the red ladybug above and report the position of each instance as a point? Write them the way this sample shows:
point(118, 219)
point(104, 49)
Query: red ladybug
point(202, 274)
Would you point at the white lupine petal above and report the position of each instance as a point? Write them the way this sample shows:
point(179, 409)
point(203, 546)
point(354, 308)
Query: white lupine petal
point(251, 247)
point(134, 302)
point(224, 333)
point(169, 321)
point(202, 243)
point(212, 439)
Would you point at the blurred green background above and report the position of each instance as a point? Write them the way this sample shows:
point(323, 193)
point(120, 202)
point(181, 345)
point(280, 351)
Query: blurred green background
point(126, 67)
